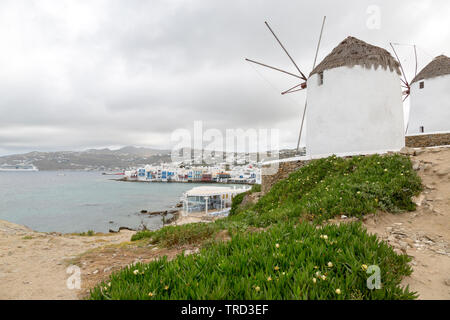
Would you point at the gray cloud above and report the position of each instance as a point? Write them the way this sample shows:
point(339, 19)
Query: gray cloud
point(80, 74)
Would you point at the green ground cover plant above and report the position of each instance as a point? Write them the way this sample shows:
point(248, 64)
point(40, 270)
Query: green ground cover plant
point(321, 190)
point(288, 261)
point(290, 215)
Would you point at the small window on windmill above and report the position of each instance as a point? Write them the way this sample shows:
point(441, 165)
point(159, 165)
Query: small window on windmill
point(422, 84)
point(320, 78)
point(422, 129)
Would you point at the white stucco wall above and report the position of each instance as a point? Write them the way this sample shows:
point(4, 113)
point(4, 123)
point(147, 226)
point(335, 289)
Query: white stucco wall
point(356, 111)
point(430, 106)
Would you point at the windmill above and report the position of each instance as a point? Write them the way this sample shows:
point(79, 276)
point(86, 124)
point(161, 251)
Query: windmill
point(303, 84)
point(405, 83)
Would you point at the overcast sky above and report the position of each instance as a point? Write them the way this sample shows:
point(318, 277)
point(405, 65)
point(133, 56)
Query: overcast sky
point(107, 73)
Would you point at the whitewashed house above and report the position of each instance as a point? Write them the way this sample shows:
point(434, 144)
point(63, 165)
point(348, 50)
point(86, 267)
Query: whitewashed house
point(354, 102)
point(430, 99)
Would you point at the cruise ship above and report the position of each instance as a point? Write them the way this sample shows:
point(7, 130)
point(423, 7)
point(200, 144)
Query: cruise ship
point(18, 167)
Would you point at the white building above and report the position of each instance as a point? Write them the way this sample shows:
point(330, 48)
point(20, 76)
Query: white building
point(212, 200)
point(430, 99)
point(354, 102)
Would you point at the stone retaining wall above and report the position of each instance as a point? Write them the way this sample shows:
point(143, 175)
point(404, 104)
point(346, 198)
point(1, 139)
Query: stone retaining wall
point(284, 169)
point(428, 140)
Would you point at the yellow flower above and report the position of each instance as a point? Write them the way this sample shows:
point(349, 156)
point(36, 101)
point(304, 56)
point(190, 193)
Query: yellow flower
point(338, 291)
point(385, 170)
point(269, 279)
point(276, 268)
point(364, 267)
point(314, 280)
point(166, 288)
point(150, 294)
point(330, 264)
point(257, 289)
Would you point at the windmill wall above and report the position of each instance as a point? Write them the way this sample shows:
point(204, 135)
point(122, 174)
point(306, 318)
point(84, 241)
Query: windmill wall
point(355, 111)
point(430, 106)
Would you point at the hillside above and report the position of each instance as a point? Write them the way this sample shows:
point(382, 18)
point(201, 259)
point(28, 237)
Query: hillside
point(34, 264)
point(93, 159)
point(280, 248)
point(126, 157)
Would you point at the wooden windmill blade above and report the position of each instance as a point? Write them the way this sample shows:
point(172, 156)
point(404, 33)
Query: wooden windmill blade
point(301, 74)
point(273, 68)
point(314, 65)
point(300, 86)
point(415, 54)
point(415, 75)
point(296, 66)
point(291, 90)
point(405, 79)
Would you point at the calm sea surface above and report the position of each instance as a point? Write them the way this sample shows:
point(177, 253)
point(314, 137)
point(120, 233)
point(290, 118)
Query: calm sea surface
point(81, 201)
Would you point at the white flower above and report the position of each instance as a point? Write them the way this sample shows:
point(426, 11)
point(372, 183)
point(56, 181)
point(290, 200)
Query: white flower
point(136, 271)
point(338, 291)
point(330, 264)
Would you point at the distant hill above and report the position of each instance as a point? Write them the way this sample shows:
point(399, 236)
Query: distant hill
point(117, 160)
point(92, 159)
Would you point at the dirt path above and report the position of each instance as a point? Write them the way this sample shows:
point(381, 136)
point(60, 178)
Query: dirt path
point(425, 233)
point(33, 265)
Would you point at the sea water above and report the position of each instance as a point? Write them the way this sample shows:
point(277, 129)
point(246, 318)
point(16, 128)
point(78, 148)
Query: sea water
point(68, 202)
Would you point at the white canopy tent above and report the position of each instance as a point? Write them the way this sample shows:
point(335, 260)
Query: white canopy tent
point(209, 198)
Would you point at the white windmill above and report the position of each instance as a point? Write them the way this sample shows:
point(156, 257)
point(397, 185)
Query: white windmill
point(303, 84)
point(354, 101)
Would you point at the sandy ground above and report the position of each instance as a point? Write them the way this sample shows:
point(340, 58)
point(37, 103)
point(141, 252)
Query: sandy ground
point(195, 217)
point(425, 233)
point(34, 265)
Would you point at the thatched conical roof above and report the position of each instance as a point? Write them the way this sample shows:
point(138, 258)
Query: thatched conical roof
point(353, 51)
point(440, 66)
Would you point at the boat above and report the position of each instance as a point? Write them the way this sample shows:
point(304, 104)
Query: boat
point(22, 167)
point(113, 173)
